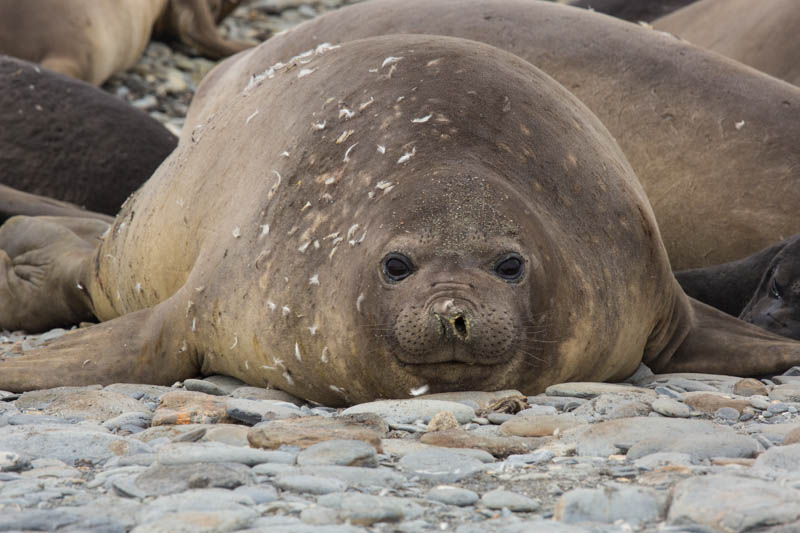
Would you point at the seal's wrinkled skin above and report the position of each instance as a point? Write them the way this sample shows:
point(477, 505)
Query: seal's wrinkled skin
point(713, 142)
point(93, 39)
point(362, 221)
point(760, 34)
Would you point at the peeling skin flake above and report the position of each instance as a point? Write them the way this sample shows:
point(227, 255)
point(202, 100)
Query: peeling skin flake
point(390, 60)
point(422, 120)
point(305, 72)
point(343, 137)
point(419, 390)
point(319, 125)
point(314, 280)
point(406, 156)
point(352, 231)
point(346, 113)
point(251, 117)
point(739, 125)
point(383, 185)
point(366, 104)
point(347, 153)
point(236, 232)
point(381, 149)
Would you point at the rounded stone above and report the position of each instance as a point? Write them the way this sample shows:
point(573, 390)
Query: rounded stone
point(408, 411)
point(339, 452)
point(309, 484)
point(443, 465)
point(452, 495)
point(671, 408)
point(749, 387)
point(503, 499)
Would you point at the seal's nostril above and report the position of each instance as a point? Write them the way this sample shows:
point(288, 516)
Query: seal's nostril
point(460, 326)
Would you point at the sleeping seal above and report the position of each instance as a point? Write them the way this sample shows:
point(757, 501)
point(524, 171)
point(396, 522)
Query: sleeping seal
point(760, 34)
point(93, 39)
point(431, 212)
point(64, 139)
point(763, 289)
point(698, 129)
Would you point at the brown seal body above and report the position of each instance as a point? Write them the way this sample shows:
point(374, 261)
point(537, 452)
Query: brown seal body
point(632, 10)
point(64, 139)
point(698, 129)
point(432, 212)
point(760, 34)
point(93, 39)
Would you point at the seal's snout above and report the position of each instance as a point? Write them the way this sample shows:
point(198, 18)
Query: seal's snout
point(453, 320)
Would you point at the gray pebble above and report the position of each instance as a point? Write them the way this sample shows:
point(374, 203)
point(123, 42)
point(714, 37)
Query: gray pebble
point(252, 412)
point(309, 484)
point(499, 418)
point(440, 465)
point(718, 502)
point(13, 462)
point(536, 410)
point(779, 460)
point(217, 452)
point(137, 419)
point(339, 452)
point(319, 516)
point(778, 408)
point(365, 509)
point(499, 499)
point(672, 408)
point(260, 494)
point(668, 392)
point(635, 505)
point(727, 413)
point(537, 457)
point(452, 495)
point(69, 443)
point(408, 411)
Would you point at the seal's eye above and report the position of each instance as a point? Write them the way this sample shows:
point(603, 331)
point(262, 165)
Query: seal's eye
point(509, 267)
point(396, 267)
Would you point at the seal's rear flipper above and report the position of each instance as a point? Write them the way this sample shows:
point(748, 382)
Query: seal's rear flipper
point(716, 343)
point(196, 27)
point(14, 202)
point(135, 348)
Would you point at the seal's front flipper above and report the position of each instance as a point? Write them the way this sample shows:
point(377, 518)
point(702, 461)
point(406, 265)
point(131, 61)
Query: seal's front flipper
point(14, 202)
point(44, 271)
point(716, 343)
point(196, 27)
point(139, 347)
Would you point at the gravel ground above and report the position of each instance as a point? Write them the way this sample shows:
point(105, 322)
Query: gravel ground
point(678, 453)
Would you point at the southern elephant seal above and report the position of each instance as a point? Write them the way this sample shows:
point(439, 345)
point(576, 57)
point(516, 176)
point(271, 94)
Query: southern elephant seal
point(93, 39)
point(62, 138)
point(698, 129)
point(760, 34)
point(632, 10)
point(763, 289)
point(431, 212)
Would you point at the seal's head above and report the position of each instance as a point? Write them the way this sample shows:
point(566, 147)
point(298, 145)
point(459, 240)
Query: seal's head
point(456, 286)
point(775, 306)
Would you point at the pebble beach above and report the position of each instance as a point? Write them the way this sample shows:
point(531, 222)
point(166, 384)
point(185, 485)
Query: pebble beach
point(657, 453)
